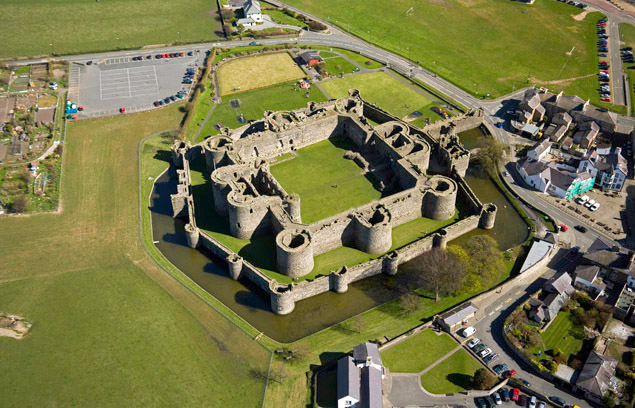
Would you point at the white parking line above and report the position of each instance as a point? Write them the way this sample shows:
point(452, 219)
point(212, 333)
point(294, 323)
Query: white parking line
point(128, 82)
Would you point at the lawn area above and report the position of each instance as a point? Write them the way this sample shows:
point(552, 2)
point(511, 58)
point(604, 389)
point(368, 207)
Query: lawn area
point(41, 27)
point(336, 65)
point(469, 43)
point(385, 91)
point(562, 334)
point(358, 58)
point(244, 74)
point(201, 109)
point(253, 105)
point(341, 184)
point(417, 352)
point(111, 328)
point(627, 34)
point(452, 375)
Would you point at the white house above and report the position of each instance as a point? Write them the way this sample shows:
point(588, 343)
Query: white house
point(612, 171)
point(359, 378)
point(539, 150)
point(251, 9)
point(246, 22)
point(533, 173)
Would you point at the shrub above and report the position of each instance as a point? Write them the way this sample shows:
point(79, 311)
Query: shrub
point(483, 379)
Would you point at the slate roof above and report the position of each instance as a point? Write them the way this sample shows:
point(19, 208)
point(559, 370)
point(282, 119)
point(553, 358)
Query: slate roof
point(602, 252)
point(364, 350)
point(560, 178)
point(587, 272)
point(562, 118)
point(561, 284)
point(348, 381)
point(553, 302)
point(596, 373)
point(459, 314)
point(567, 102)
point(371, 388)
point(251, 7)
point(616, 161)
point(310, 55)
point(533, 167)
point(540, 147)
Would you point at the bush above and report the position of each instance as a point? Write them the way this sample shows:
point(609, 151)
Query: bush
point(483, 379)
point(316, 26)
point(20, 204)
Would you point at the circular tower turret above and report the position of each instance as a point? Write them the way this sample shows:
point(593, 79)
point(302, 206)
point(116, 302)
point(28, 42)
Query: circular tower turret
point(440, 199)
point(488, 216)
point(294, 252)
point(373, 233)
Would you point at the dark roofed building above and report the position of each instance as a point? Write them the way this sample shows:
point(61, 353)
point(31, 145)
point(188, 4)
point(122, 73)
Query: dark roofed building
point(596, 375)
point(615, 260)
point(310, 58)
point(348, 382)
point(560, 284)
point(587, 279)
point(359, 378)
point(366, 353)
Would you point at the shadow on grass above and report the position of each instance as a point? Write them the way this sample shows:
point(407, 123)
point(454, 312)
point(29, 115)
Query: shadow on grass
point(462, 380)
point(329, 356)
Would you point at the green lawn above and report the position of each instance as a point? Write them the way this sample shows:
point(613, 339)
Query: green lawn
point(336, 65)
point(385, 91)
point(254, 103)
point(627, 34)
point(75, 26)
point(470, 44)
point(417, 352)
point(562, 333)
point(452, 375)
point(358, 58)
point(111, 328)
point(327, 183)
point(201, 109)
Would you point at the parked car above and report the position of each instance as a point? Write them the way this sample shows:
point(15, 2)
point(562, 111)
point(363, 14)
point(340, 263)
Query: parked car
point(172, 98)
point(510, 373)
point(498, 399)
point(148, 57)
point(522, 400)
point(595, 207)
point(541, 404)
point(505, 394)
point(557, 400)
point(490, 402)
point(156, 104)
point(589, 203)
point(473, 342)
point(485, 353)
point(563, 227)
point(580, 228)
point(515, 394)
point(500, 368)
point(532, 402)
point(166, 100)
point(525, 383)
point(190, 53)
point(490, 358)
point(253, 43)
point(468, 331)
point(479, 347)
point(480, 402)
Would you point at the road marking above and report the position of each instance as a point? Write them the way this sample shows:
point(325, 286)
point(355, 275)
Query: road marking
point(508, 300)
point(518, 293)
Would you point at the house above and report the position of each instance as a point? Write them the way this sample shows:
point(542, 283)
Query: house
point(579, 110)
point(534, 173)
point(530, 130)
point(560, 284)
point(530, 109)
point(555, 132)
point(603, 149)
point(457, 317)
point(596, 376)
point(359, 378)
point(562, 119)
point(616, 262)
point(612, 171)
point(539, 150)
point(251, 9)
point(586, 134)
point(587, 279)
point(538, 251)
point(310, 58)
point(567, 185)
point(567, 144)
point(588, 163)
point(245, 22)
point(544, 311)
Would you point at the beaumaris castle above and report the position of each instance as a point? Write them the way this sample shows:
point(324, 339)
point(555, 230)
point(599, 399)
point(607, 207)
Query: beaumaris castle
point(419, 172)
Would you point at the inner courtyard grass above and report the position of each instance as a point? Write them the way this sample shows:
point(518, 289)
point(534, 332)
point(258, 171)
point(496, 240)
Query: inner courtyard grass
point(254, 103)
point(327, 183)
point(564, 334)
point(385, 91)
point(259, 71)
point(417, 352)
point(110, 327)
point(41, 27)
point(452, 375)
point(468, 43)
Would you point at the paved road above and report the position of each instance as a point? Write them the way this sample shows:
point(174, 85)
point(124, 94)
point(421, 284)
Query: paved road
point(617, 72)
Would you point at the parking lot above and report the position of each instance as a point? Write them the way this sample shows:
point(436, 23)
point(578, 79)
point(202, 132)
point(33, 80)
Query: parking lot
point(105, 86)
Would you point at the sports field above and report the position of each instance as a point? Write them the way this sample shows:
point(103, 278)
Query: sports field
point(260, 71)
point(452, 375)
point(326, 182)
point(110, 328)
point(253, 104)
point(386, 91)
point(417, 352)
point(470, 43)
point(37, 27)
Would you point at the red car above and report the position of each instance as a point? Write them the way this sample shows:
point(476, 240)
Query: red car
point(606, 99)
point(181, 55)
point(605, 71)
point(515, 394)
point(122, 110)
point(562, 228)
point(604, 62)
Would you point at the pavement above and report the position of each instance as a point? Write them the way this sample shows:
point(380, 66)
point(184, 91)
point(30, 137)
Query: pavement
point(618, 95)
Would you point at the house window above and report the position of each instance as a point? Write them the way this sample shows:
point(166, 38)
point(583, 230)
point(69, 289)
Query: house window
point(348, 403)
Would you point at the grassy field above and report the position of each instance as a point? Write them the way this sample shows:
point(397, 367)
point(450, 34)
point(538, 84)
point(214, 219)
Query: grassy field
point(385, 91)
point(202, 107)
point(562, 334)
point(110, 328)
point(627, 34)
point(341, 183)
point(253, 105)
point(470, 44)
point(417, 352)
point(260, 71)
point(336, 65)
point(452, 375)
point(48, 26)
point(358, 58)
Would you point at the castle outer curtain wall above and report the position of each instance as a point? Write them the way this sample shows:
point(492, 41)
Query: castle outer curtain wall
point(256, 204)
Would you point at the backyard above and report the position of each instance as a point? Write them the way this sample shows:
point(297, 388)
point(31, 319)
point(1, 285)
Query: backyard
point(109, 324)
point(417, 352)
point(452, 375)
point(469, 44)
point(42, 27)
point(564, 334)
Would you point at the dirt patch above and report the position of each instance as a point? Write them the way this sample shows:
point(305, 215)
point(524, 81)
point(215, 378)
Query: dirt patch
point(13, 326)
point(580, 17)
point(58, 73)
point(564, 82)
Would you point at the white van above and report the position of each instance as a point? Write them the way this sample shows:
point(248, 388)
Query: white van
point(468, 331)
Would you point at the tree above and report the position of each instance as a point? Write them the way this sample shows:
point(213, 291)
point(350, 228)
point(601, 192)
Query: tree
point(438, 271)
point(490, 153)
point(486, 260)
point(409, 303)
point(20, 204)
point(483, 379)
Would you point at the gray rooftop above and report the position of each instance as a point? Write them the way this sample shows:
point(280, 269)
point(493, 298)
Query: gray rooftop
point(459, 314)
point(539, 249)
point(587, 272)
point(371, 388)
point(365, 350)
point(348, 382)
point(251, 7)
point(597, 373)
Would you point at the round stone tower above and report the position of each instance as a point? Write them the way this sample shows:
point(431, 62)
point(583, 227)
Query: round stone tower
point(215, 149)
point(282, 301)
point(235, 265)
point(440, 199)
point(220, 181)
point(390, 264)
point(192, 235)
point(293, 202)
point(488, 216)
point(373, 232)
point(178, 150)
point(294, 252)
point(245, 214)
point(338, 281)
point(440, 239)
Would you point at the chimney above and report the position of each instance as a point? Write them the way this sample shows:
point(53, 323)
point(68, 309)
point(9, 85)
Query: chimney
point(586, 105)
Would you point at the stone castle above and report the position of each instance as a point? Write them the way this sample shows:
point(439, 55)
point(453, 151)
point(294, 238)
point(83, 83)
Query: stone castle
point(419, 172)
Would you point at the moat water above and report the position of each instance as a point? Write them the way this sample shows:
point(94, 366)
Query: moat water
point(322, 311)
